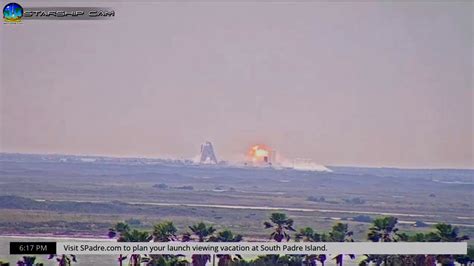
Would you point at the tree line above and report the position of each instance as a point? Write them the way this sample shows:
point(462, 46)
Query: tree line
point(280, 228)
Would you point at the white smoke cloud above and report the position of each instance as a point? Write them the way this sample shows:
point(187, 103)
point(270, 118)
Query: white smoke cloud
point(305, 165)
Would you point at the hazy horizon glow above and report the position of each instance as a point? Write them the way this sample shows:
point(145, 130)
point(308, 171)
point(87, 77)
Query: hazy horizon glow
point(370, 84)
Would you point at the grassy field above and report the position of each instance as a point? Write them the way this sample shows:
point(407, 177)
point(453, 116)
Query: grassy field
point(48, 195)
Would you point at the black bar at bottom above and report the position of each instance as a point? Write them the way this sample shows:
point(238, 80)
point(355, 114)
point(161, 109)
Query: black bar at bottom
point(23, 248)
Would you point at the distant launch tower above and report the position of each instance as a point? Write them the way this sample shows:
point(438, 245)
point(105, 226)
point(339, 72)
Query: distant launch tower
point(207, 154)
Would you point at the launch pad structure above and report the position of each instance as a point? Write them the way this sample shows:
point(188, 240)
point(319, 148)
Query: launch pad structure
point(207, 154)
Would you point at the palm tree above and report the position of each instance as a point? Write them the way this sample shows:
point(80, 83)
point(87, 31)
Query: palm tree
point(134, 236)
point(164, 232)
point(226, 236)
point(27, 261)
point(307, 234)
point(203, 232)
point(63, 260)
point(120, 228)
point(384, 229)
point(128, 235)
point(281, 224)
point(467, 259)
point(448, 233)
point(340, 233)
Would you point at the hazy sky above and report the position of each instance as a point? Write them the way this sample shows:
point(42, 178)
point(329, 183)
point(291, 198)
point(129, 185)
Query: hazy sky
point(377, 84)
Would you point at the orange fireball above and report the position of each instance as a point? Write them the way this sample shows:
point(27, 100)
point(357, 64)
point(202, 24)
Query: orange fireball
point(260, 153)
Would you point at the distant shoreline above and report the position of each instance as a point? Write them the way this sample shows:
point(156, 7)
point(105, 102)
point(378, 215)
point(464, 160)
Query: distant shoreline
point(173, 159)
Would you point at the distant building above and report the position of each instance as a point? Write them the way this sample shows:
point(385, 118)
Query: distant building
point(207, 154)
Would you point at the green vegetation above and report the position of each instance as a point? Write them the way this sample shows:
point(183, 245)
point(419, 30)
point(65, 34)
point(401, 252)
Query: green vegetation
point(25, 261)
point(355, 201)
point(87, 199)
point(62, 260)
point(383, 229)
point(281, 224)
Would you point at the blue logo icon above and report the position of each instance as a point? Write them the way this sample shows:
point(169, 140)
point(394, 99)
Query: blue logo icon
point(12, 12)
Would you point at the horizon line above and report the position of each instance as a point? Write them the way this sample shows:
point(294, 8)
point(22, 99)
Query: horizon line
point(178, 158)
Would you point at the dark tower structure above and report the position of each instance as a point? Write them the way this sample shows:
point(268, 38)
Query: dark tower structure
point(207, 154)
